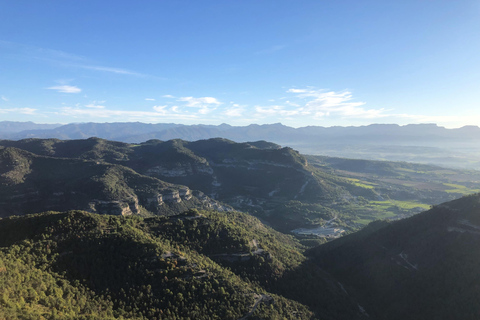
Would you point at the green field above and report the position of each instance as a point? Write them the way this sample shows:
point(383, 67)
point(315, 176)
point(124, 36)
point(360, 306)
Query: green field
point(457, 188)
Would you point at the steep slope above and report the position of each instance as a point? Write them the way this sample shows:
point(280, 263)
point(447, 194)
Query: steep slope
point(424, 267)
point(31, 183)
point(96, 267)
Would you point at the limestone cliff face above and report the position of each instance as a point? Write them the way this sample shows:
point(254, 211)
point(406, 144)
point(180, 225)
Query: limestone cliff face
point(169, 196)
point(116, 208)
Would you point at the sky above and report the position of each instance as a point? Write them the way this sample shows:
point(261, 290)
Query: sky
point(300, 63)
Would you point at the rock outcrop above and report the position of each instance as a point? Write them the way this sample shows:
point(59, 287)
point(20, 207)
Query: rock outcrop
point(116, 208)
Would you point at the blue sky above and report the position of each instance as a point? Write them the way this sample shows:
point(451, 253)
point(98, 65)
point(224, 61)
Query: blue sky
point(300, 62)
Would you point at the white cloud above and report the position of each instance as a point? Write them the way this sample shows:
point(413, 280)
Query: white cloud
point(199, 102)
point(94, 106)
point(205, 105)
point(234, 112)
point(149, 99)
point(321, 103)
point(206, 110)
point(292, 104)
point(297, 90)
point(4, 98)
point(66, 89)
point(168, 96)
point(160, 108)
point(275, 111)
point(19, 110)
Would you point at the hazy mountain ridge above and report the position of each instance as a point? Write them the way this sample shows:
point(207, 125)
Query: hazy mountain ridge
point(15, 127)
point(424, 143)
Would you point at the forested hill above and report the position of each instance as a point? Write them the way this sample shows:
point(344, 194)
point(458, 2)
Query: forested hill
point(423, 267)
point(198, 265)
point(31, 183)
point(256, 177)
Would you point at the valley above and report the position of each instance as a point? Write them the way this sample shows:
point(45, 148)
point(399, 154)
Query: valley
point(144, 230)
point(291, 192)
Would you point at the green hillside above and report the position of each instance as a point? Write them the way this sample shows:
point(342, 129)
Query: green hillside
point(78, 265)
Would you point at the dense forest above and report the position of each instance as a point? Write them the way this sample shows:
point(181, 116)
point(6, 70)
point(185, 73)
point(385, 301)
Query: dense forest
point(87, 266)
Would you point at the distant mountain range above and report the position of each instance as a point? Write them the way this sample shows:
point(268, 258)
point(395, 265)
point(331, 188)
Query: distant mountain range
point(422, 143)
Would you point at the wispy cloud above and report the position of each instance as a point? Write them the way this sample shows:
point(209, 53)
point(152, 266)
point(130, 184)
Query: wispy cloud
point(297, 90)
point(322, 103)
point(29, 51)
point(94, 106)
point(188, 109)
point(29, 111)
point(234, 111)
point(4, 98)
point(168, 96)
point(66, 89)
point(275, 111)
point(158, 114)
point(161, 109)
point(309, 104)
point(149, 99)
point(109, 69)
point(206, 105)
point(61, 58)
point(199, 102)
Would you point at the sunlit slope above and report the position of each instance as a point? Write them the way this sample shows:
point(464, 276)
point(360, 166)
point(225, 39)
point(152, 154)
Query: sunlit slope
point(97, 266)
